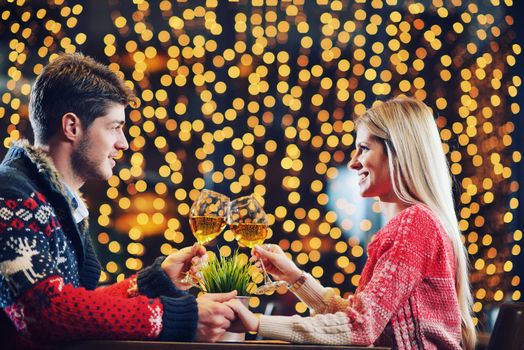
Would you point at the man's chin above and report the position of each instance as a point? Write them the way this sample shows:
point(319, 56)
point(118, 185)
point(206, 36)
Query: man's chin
point(101, 176)
point(107, 176)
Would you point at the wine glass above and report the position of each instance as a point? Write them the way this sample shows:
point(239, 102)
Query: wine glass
point(248, 221)
point(207, 220)
point(208, 216)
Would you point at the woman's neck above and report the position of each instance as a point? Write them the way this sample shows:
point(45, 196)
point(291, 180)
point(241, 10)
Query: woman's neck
point(392, 209)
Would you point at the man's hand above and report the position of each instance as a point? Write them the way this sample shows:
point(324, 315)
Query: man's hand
point(214, 316)
point(188, 259)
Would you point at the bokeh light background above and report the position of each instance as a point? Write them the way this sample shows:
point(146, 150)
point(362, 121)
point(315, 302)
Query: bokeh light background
point(259, 95)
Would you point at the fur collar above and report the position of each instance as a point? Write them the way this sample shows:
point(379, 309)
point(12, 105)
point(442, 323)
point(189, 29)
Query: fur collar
point(44, 165)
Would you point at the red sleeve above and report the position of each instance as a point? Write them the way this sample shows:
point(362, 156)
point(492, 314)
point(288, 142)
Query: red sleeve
point(126, 288)
point(54, 311)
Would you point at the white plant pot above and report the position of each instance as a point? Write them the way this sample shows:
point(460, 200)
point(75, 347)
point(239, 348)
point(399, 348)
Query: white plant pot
point(236, 337)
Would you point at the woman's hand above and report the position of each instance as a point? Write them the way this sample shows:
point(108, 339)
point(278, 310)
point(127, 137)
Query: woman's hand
point(248, 321)
point(214, 316)
point(276, 262)
point(186, 260)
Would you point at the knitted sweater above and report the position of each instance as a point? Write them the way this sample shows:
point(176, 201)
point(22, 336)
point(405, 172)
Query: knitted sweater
point(49, 272)
point(406, 297)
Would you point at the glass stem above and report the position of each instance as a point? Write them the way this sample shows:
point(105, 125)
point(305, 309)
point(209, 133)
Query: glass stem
point(190, 279)
point(267, 279)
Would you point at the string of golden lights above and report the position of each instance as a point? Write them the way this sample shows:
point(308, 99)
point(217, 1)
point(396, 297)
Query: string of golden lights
point(258, 96)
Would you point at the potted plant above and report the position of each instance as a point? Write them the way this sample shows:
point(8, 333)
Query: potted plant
point(225, 274)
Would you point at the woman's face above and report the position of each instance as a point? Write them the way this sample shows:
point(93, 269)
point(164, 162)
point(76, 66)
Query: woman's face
point(371, 162)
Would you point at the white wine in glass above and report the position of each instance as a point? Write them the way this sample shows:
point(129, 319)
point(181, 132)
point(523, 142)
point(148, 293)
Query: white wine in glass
point(249, 234)
point(207, 220)
point(249, 223)
point(208, 215)
point(206, 228)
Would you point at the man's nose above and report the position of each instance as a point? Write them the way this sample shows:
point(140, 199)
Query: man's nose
point(122, 143)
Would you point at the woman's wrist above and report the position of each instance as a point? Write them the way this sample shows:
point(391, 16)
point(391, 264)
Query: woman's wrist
point(292, 276)
point(298, 281)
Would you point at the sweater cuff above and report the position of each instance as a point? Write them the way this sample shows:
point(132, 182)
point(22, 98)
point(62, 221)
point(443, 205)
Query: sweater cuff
point(179, 320)
point(312, 293)
point(153, 282)
point(276, 327)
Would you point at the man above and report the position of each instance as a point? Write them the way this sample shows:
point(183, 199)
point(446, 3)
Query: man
point(48, 269)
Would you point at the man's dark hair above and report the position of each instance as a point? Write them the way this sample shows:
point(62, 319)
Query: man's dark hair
point(77, 84)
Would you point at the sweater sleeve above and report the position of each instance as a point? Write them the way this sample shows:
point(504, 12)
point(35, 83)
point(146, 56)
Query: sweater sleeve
point(126, 288)
point(151, 281)
point(319, 329)
point(401, 265)
point(41, 305)
point(320, 300)
point(52, 311)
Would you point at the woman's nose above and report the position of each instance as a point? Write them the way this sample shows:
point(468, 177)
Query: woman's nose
point(354, 163)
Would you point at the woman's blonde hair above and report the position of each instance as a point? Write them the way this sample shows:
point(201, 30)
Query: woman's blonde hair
point(420, 174)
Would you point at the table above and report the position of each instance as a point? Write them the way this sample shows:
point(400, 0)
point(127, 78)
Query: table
point(253, 344)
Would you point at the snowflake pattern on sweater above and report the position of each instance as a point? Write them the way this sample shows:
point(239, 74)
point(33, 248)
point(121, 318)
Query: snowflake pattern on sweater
point(41, 274)
point(29, 257)
point(50, 309)
point(49, 272)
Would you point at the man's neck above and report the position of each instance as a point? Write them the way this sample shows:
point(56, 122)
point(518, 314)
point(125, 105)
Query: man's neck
point(60, 155)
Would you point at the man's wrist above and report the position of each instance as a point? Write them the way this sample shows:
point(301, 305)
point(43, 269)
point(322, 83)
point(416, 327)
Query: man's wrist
point(163, 266)
point(153, 281)
point(166, 268)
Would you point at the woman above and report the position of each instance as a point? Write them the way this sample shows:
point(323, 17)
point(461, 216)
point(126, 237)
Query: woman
point(414, 289)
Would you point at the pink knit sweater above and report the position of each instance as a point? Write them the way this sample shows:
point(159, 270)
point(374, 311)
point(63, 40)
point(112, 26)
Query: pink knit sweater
point(406, 298)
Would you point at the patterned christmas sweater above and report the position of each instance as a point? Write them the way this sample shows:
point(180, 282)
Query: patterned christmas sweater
point(406, 298)
point(49, 272)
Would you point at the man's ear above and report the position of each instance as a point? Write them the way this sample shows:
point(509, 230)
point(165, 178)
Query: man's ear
point(71, 126)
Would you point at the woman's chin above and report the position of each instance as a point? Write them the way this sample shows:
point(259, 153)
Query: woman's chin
point(368, 193)
point(364, 193)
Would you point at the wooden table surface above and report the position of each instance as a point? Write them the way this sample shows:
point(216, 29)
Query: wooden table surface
point(254, 344)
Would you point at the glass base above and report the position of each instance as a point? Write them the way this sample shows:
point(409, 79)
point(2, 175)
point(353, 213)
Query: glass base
point(269, 287)
point(192, 281)
point(230, 337)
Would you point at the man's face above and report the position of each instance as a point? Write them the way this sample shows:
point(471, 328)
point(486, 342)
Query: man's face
point(93, 158)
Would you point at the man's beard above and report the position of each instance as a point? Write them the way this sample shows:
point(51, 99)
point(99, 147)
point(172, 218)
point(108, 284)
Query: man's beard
point(84, 167)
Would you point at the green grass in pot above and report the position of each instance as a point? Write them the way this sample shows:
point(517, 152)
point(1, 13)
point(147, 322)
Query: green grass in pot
point(225, 274)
